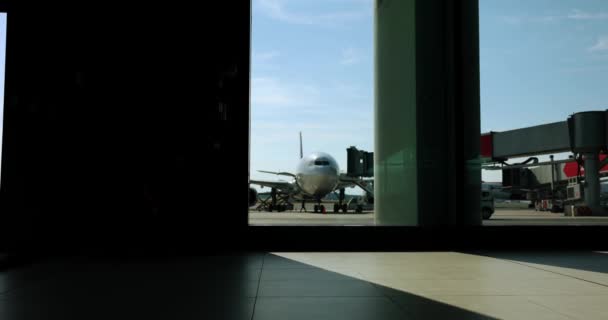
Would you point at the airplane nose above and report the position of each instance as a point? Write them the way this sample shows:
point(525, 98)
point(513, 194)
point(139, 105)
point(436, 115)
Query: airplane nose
point(322, 182)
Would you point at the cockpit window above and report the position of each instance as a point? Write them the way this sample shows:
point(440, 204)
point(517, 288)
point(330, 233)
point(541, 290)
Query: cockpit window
point(321, 162)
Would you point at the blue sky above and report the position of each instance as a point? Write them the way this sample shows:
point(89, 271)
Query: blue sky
point(312, 70)
point(540, 62)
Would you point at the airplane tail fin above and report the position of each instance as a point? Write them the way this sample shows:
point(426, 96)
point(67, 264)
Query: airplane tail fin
point(301, 151)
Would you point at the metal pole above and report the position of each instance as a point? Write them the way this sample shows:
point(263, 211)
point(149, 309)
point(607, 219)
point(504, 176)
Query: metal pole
point(592, 181)
point(552, 177)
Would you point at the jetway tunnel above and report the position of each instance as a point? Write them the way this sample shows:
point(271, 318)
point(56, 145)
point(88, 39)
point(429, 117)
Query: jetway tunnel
point(584, 134)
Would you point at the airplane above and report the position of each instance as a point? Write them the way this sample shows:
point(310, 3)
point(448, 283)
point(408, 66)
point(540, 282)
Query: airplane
point(316, 176)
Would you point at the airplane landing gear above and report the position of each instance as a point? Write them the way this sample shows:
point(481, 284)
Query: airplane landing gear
point(359, 209)
point(273, 197)
point(276, 201)
point(341, 205)
point(319, 208)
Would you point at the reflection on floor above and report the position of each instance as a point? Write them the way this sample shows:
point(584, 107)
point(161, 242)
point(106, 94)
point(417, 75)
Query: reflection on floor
point(434, 285)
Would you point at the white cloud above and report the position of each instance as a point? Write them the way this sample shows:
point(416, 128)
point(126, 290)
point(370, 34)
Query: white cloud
point(268, 92)
point(574, 14)
point(278, 10)
point(353, 92)
point(601, 45)
point(350, 56)
point(513, 20)
point(521, 19)
point(265, 56)
point(583, 15)
point(585, 69)
point(274, 93)
point(292, 98)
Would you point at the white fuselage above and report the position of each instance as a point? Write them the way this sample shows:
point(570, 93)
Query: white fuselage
point(317, 174)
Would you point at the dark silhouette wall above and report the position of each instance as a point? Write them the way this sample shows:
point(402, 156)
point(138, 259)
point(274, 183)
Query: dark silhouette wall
point(123, 125)
point(126, 128)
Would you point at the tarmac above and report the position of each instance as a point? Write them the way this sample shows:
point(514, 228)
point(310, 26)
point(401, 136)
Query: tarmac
point(502, 217)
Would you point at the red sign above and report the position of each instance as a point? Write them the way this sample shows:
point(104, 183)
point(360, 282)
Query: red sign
point(571, 168)
point(486, 145)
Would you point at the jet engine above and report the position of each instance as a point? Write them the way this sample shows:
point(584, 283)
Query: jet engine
point(253, 196)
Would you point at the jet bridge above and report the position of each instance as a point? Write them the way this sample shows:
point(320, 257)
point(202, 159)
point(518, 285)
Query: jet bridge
point(360, 165)
point(583, 134)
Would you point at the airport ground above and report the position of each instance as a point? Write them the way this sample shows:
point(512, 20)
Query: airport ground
point(295, 217)
point(502, 217)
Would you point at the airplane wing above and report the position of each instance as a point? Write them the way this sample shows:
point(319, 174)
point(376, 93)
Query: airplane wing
point(282, 186)
point(279, 173)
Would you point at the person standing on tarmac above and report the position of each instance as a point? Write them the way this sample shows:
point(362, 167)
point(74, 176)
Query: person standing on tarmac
point(303, 206)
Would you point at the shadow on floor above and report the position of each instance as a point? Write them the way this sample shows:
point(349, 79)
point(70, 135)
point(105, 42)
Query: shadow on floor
point(247, 286)
point(293, 290)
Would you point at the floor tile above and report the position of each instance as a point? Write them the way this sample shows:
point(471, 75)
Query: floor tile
point(593, 276)
point(13, 278)
point(476, 307)
point(306, 274)
point(229, 265)
point(327, 309)
point(429, 309)
point(276, 262)
point(580, 263)
point(446, 272)
point(123, 306)
point(563, 286)
point(575, 307)
point(321, 285)
point(317, 288)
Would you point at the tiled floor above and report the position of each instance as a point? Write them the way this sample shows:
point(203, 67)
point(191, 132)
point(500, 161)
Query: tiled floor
point(532, 285)
point(432, 285)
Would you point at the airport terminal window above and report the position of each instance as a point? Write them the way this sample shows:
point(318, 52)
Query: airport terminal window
point(541, 63)
point(2, 60)
point(311, 100)
point(312, 97)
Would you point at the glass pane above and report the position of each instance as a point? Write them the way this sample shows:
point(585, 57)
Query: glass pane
point(541, 62)
point(311, 99)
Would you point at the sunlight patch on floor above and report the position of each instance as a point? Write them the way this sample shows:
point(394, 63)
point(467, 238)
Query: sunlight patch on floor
point(500, 288)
